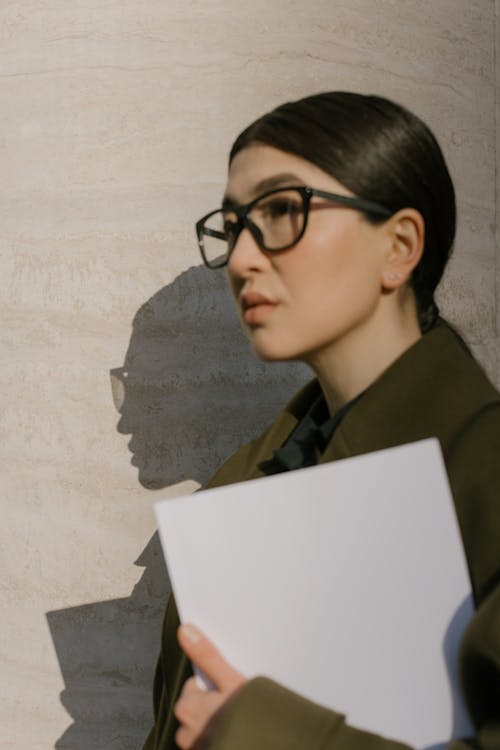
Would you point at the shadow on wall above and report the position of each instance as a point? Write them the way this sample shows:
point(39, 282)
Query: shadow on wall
point(189, 393)
point(107, 652)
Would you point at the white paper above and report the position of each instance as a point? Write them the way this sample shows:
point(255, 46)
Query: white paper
point(346, 582)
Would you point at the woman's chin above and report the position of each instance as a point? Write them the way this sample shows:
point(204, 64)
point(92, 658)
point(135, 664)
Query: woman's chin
point(272, 351)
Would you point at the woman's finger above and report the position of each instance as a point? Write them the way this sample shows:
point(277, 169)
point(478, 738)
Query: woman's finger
point(202, 652)
point(193, 710)
point(190, 686)
point(183, 738)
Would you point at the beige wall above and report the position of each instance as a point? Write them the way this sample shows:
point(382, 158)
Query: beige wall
point(116, 121)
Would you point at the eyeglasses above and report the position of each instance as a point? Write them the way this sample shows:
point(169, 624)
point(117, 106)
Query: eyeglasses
point(276, 220)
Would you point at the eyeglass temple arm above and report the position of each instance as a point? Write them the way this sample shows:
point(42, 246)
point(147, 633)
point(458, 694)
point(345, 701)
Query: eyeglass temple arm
point(361, 203)
point(214, 233)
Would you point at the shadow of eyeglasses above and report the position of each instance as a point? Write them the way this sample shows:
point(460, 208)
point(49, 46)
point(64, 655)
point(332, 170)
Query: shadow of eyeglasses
point(118, 379)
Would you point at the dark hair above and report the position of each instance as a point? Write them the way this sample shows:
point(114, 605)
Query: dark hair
point(380, 151)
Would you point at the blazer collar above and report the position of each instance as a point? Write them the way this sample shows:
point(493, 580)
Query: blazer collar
point(427, 392)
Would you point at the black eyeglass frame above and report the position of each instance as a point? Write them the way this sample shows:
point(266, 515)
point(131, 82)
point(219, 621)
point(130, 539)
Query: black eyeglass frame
point(359, 204)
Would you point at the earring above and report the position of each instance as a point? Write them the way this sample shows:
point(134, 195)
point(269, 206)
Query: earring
point(395, 276)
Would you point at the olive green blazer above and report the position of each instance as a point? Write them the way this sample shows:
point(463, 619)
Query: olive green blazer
point(434, 389)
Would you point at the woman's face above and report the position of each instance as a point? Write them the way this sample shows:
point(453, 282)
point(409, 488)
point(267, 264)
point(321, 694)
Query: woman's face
point(297, 303)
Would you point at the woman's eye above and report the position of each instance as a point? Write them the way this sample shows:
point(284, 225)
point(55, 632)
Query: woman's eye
point(281, 207)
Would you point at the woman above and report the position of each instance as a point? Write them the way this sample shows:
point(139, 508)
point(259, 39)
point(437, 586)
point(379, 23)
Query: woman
point(336, 226)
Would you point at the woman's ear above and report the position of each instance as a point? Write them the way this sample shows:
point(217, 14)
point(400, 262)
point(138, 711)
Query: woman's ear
point(406, 230)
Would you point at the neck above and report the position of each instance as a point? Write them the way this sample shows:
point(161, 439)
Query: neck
point(349, 365)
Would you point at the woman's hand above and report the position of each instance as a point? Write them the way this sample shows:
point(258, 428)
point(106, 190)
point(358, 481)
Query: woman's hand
point(196, 706)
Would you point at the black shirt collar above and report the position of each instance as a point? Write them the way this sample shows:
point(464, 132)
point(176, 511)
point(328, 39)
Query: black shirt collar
point(309, 439)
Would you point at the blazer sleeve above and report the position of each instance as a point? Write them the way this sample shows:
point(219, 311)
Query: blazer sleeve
point(265, 715)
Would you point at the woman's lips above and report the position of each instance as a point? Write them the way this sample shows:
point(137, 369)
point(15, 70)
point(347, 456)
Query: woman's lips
point(256, 307)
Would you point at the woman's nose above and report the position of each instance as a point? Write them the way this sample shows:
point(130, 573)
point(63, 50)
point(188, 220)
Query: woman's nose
point(246, 255)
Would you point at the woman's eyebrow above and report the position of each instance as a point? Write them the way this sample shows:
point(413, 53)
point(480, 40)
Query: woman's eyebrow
point(268, 183)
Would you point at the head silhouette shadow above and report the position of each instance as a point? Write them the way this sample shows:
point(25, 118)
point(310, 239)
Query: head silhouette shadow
point(189, 393)
point(190, 390)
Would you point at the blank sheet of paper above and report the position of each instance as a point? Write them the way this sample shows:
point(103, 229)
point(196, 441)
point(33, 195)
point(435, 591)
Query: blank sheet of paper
point(345, 582)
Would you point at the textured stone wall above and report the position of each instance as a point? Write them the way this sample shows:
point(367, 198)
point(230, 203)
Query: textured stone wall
point(117, 117)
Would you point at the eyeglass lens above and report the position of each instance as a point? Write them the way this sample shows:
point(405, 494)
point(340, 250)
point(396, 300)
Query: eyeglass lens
point(279, 218)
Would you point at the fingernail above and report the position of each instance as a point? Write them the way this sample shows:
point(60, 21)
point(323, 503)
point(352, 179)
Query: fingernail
point(191, 633)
